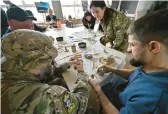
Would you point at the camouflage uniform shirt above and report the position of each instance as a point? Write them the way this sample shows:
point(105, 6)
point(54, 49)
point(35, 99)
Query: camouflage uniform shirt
point(24, 50)
point(115, 25)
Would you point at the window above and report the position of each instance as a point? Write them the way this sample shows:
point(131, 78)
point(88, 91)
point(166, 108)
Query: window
point(29, 1)
point(73, 8)
point(68, 11)
point(67, 2)
point(75, 12)
point(79, 12)
point(32, 7)
point(2, 3)
point(32, 1)
point(17, 2)
point(78, 2)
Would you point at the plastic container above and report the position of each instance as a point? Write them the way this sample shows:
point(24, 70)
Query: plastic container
point(59, 24)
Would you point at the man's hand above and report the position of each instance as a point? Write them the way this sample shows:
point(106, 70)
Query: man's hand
point(104, 69)
point(108, 44)
point(104, 40)
point(94, 83)
point(77, 62)
point(77, 56)
point(79, 65)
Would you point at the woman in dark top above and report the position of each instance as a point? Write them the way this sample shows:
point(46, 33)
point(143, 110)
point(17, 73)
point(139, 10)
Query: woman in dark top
point(114, 25)
point(88, 20)
point(51, 16)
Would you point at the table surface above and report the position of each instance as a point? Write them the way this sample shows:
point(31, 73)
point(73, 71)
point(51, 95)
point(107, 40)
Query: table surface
point(74, 36)
point(80, 34)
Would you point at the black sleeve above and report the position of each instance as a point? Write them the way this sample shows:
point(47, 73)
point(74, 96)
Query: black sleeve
point(48, 18)
point(93, 23)
point(100, 28)
point(84, 23)
point(4, 23)
point(54, 18)
point(38, 28)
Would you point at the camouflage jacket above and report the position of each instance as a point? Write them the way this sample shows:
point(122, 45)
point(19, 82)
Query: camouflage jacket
point(115, 25)
point(28, 96)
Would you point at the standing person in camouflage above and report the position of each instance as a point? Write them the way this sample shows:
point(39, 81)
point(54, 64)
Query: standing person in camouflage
point(26, 52)
point(113, 23)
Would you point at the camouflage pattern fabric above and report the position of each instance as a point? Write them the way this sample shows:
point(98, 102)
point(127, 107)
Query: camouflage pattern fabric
point(115, 25)
point(24, 50)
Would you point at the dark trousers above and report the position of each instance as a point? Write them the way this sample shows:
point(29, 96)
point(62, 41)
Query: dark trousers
point(112, 85)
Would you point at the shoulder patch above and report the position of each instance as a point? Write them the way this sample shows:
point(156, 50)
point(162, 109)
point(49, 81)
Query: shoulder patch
point(69, 103)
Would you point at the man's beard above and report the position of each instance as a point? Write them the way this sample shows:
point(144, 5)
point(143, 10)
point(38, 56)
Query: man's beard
point(136, 63)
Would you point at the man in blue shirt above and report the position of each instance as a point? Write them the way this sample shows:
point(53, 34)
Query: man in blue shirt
point(145, 90)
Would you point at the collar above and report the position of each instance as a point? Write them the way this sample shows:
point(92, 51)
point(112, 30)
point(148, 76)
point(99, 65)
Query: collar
point(7, 31)
point(162, 73)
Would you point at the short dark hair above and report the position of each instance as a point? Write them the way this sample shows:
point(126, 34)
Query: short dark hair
point(87, 14)
point(152, 26)
point(99, 3)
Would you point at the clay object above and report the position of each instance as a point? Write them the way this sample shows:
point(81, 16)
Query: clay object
point(66, 50)
point(88, 56)
point(107, 60)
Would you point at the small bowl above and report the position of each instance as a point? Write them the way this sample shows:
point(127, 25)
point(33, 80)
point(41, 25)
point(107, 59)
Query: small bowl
point(82, 45)
point(55, 26)
point(59, 38)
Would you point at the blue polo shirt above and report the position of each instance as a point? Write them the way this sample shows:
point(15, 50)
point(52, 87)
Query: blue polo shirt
point(146, 93)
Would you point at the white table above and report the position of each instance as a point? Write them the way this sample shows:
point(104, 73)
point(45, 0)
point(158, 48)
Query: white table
point(89, 65)
point(80, 34)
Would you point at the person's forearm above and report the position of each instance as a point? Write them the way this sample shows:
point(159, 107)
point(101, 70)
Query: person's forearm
point(107, 106)
point(82, 90)
point(118, 40)
point(124, 73)
point(82, 76)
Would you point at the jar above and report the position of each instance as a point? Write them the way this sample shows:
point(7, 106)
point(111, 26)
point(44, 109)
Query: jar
point(73, 47)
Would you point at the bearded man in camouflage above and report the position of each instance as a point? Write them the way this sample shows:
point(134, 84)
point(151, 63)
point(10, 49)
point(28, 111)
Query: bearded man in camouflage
point(26, 52)
point(113, 24)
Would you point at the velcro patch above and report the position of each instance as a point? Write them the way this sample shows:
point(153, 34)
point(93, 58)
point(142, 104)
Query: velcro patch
point(69, 103)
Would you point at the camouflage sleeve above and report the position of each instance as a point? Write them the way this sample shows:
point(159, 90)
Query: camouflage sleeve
point(109, 34)
point(74, 102)
point(39, 98)
point(81, 91)
point(120, 29)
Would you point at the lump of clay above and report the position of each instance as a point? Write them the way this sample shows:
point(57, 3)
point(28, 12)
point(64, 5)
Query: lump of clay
point(88, 56)
point(107, 60)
